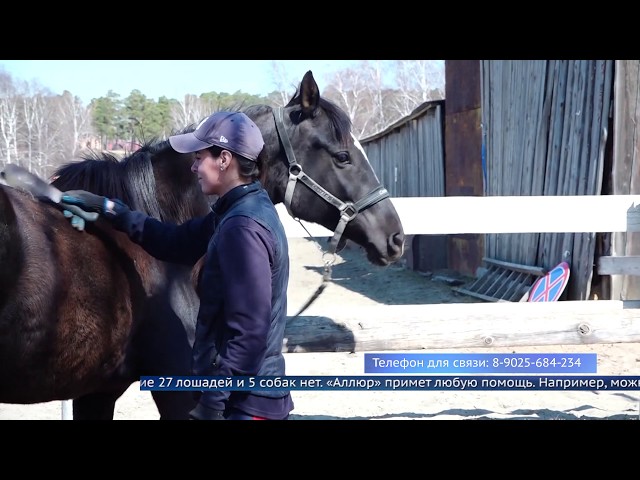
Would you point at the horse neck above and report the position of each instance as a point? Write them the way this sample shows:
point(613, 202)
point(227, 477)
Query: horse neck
point(7, 217)
point(10, 243)
point(276, 164)
point(166, 195)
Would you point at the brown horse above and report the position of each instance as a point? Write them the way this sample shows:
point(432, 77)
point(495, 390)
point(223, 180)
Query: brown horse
point(84, 314)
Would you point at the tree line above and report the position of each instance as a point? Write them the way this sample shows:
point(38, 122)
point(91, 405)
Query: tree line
point(41, 130)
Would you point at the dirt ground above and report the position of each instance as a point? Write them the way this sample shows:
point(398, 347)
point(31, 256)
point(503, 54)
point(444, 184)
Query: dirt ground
point(357, 283)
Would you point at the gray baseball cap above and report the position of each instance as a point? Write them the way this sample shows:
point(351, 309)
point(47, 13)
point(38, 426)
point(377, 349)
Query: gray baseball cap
point(233, 131)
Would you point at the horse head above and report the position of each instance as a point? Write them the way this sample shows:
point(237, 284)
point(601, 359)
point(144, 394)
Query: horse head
point(319, 170)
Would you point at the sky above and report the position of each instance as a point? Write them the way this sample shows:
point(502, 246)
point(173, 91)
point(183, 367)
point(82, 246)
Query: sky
point(90, 79)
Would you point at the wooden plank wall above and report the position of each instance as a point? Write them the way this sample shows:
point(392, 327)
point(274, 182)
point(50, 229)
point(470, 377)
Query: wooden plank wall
point(544, 130)
point(626, 167)
point(545, 124)
point(408, 157)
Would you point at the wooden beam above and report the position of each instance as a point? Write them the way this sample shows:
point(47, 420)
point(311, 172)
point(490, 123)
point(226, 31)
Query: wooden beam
point(464, 325)
point(503, 214)
point(539, 271)
point(626, 265)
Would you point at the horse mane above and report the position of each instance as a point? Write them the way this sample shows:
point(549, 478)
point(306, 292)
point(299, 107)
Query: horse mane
point(129, 179)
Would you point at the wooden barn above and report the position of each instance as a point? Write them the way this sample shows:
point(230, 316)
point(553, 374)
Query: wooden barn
point(529, 128)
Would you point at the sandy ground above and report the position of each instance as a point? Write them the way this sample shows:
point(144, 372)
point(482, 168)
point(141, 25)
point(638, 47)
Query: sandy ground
point(355, 283)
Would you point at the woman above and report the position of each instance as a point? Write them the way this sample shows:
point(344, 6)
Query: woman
point(245, 264)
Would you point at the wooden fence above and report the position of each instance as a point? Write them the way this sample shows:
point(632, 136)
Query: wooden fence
point(502, 324)
point(482, 325)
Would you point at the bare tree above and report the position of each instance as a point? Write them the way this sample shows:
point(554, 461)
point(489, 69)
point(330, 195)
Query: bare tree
point(31, 131)
point(43, 136)
point(30, 125)
point(189, 111)
point(78, 120)
point(41, 129)
point(50, 136)
point(350, 90)
point(378, 117)
point(8, 119)
point(283, 83)
point(379, 92)
point(417, 81)
point(31, 115)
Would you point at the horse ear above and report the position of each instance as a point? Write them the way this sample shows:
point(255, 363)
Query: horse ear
point(309, 94)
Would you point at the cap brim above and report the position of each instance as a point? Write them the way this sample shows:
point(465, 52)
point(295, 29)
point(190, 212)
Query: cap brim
point(187, 143)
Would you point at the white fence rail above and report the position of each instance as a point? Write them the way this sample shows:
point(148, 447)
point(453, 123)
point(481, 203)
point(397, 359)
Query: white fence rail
point(517, 214)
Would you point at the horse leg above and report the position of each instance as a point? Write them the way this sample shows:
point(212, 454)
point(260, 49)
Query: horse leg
point(171, 405)
point(163, 344)
point(95, 406)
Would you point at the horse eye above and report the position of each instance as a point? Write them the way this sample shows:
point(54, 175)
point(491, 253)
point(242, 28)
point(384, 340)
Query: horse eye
point(343, 157)
point(296, 117)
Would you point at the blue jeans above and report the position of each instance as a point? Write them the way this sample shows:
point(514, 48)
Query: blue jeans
point(236, 414)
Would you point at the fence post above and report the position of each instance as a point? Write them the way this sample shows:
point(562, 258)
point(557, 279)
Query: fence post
point(67, 409)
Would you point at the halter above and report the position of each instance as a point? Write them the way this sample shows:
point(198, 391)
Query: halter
point(348, 210)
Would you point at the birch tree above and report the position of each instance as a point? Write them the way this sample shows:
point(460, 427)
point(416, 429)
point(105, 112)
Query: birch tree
point(350, 90)
point(189, 111)
point(31, 114)
point(8, 119)
point(284, 84)
point(77, 118)
point(378, 117)
point(417, 81)
point(49, 135)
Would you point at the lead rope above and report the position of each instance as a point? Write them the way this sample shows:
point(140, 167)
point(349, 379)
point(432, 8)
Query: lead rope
point(348, 212)
point(329, 259)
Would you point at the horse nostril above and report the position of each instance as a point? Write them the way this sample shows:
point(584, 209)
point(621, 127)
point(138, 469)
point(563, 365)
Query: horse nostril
point(396, 244)
point(398, 238)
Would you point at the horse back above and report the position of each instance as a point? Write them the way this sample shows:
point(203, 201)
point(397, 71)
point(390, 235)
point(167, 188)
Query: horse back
point(69, 302)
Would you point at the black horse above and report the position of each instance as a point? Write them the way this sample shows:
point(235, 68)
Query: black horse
point(84, 314)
